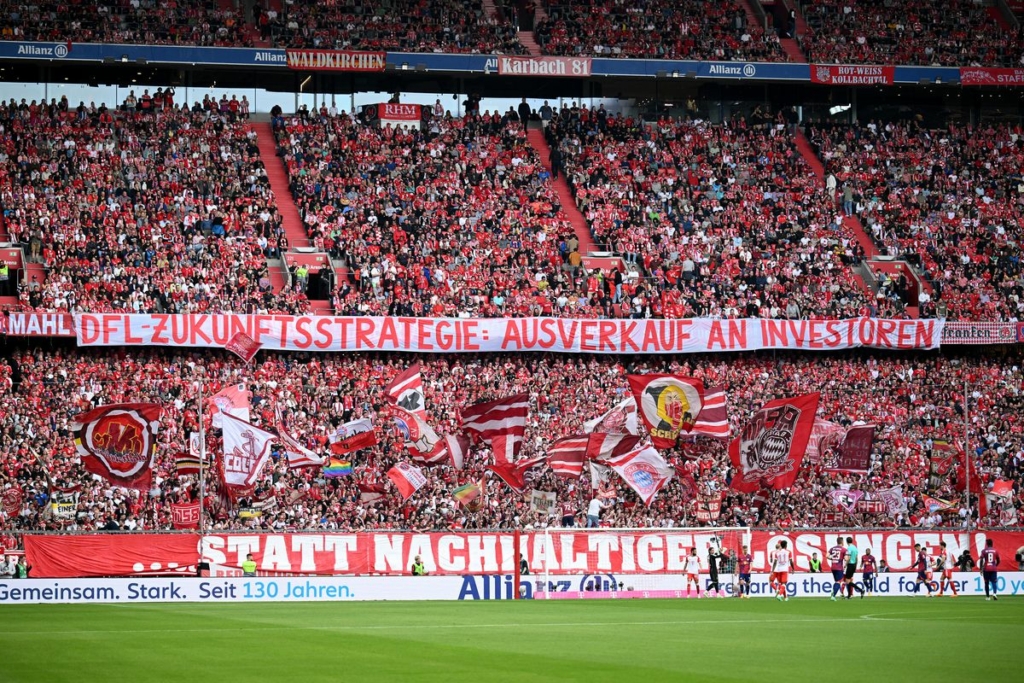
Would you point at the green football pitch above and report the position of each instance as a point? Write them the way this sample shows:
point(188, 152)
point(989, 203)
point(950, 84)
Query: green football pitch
point(891, 639)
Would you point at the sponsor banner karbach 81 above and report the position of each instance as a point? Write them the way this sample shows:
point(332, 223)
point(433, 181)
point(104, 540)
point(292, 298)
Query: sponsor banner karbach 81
point(449, 335)
point(544, 66)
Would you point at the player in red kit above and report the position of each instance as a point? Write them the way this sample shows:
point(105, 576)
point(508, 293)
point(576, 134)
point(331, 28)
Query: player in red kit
point(743, 563)
point(988, 565)
point(781, 567)
point(837, 563)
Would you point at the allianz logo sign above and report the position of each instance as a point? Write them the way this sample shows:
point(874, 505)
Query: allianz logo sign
point(55, 51)
point(735, 70)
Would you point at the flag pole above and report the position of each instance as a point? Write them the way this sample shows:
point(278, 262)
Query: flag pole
point(202, 461)
point(967, 457)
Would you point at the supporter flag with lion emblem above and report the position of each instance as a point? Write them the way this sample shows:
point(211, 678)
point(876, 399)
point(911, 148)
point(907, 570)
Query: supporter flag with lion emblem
point(668, 405)
point(768, 452)
point(118, 442)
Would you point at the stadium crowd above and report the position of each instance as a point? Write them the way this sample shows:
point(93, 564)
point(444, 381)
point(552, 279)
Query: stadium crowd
point(146, 207)
point(655, 29)
point(728, 220)
point(948, 200)
point(913, 398)
point(952, 33)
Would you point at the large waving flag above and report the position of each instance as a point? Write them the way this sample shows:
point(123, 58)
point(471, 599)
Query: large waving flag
point(567, 455)
point(470, 496)
point(336, 467)
point(457, 447)
point(668, 405)
point(825, 435)
point(406, 391)
point(408, 478)
point(231, 400)
point(118, 442)
point(501, 423)
point(352, 436)
point(771, 446)
point(408, 408)
point(713, 420)
point(644, 470)
point(620, 419)
point(514, 474)
point(246, 450)
point(297, 454)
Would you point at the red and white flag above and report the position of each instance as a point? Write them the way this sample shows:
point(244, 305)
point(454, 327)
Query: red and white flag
point(501, 423)
point(11, 500)
point(514, 474)
point(458, 447)
point(246, 450)
point(231, 400)
point(854, 453)
point(352, 436)
point(185, 515)
point(621, 419)
point(118, 442)
point(369, 493)
point(297, 454)
point(406, 391)
point(408, 478)
point(243, 346)
point(601, 446)
point(825, 435)
point(420, 439)
point(567, 455)
point(771, 446)
point(668, 405)
point(644, 470)
point(713, 420)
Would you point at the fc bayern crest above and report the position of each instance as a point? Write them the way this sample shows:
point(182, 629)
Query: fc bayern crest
point(642, 476)
point(766, 441)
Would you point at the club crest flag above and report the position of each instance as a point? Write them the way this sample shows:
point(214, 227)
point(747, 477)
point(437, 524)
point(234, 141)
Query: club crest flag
point(543, 502)
point(231, 400)
point(893, 500)
point(621, 419)
point(118, 442)
point(771, 446)
point(352, 436)
point(845, 499)
point(407, 478)
point(11, 500)
point(243, 346)
point(668, 405)
point(644, 470)
point(246, 450)
point(185, 515)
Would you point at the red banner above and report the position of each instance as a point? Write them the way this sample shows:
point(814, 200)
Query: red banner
point(465, 553)
point(335, 60)
point(977, 75)
point(185, 516)
point(544, 66)
point(852, 74)
point(111, 555)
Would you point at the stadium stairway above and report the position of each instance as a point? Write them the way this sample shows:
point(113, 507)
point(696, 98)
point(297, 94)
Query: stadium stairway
point(530, 43)
point(275, 271)
point(278, 176)
point(535, 136)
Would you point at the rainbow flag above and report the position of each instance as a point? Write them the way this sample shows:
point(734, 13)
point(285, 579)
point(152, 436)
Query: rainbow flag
point(470, 496)
point(338, 468)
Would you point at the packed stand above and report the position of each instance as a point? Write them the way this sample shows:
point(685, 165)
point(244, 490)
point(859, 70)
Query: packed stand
point(949, 201)
point(727, 220)
point(396, 25)
point(954, 33)
point(907, 395)
point(457, 220)
point(152, 207)
point(655, 29)
point(146, 22)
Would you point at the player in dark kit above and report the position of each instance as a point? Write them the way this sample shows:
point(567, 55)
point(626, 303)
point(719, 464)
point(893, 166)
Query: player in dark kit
point(837, 563)
point(921, 564)
point(867, 565)
point(988, 564)
point(743, 566)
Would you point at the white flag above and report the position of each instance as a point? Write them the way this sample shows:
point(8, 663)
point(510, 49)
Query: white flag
point(644, 470)
point(246, 449)
point(621, 419)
